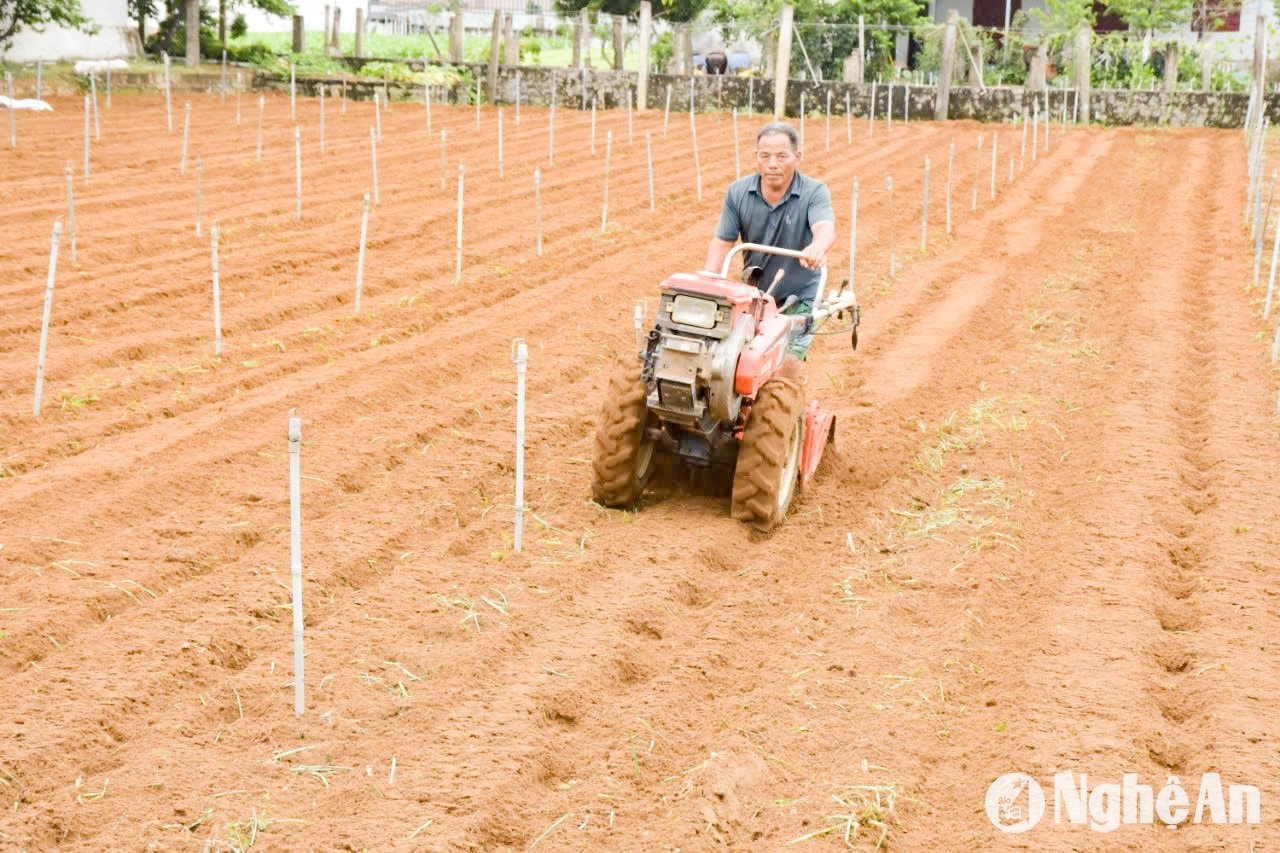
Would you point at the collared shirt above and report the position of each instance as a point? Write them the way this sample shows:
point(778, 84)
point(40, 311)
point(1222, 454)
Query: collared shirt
point(787, 225)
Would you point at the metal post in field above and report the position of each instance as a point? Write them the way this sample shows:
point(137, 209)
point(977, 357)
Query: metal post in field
point(222, 82)
point(71, 216)
point(377, 116)
point(48, 312)
point(1271, 282)
point(295, 560)
point(520, 355)
point(364, 235)
point(93, 99)
point(39, 79)
point(593, 126)
point(86, 138)
point(217, 290)
point(666, 113)
point(697, 164)
point(426, 105)
point(373, 159)
point(457, 269)
point(168, 93)
point(186, 134)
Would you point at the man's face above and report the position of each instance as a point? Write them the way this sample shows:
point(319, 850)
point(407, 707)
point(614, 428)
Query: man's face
point(776, 161)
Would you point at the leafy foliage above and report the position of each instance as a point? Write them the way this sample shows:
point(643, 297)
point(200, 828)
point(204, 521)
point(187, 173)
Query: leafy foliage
point(671, 10)
point(16, 15)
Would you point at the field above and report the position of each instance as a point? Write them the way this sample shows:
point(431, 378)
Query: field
point(1045, 540)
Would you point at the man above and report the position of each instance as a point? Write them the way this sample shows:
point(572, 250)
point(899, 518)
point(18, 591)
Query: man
point(779, 206)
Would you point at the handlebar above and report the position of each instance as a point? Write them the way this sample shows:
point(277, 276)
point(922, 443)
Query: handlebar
point(773, 250)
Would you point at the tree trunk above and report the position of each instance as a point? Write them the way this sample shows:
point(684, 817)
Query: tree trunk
point(619, 43)
point(193, 33)
point(222, 22)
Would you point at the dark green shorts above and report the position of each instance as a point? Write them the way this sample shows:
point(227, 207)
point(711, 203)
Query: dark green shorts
point(800, 343)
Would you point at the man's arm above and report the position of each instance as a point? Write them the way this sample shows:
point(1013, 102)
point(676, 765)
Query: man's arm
point(824, 236)
point(716, 253)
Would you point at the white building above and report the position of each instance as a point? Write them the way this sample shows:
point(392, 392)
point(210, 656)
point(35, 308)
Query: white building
point(117, 37)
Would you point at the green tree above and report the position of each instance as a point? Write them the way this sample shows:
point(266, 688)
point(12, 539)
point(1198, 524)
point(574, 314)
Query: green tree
point(679, 11)
point(1148, 16)
point(17, 15)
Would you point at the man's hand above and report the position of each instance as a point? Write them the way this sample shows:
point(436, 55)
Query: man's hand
point(814, 255)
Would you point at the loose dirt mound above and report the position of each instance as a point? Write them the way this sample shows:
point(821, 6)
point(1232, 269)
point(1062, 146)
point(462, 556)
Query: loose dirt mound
point(1047, 541)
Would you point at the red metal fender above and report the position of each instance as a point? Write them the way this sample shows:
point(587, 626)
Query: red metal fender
point(762, 357)
point(819, 428)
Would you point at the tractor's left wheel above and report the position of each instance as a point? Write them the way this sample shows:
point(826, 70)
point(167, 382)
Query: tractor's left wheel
point(623, 459)
point(764, 482)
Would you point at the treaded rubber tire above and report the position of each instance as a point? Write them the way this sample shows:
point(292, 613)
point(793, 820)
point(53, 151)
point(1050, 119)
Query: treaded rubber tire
point(619, 479)
point(762, 457)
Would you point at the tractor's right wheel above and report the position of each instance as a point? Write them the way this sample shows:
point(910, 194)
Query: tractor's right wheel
point(769, 458)
point(623, 459)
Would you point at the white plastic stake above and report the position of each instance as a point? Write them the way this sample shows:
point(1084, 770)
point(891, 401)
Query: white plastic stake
point(373, 159)
point(1035, 129)
point(977, 174)
point(199, 175)
point(168, 93)
point(457, 269)
point(39, 79)
point(364, 234)
point(1022, 156)
point(86, 138)
point(71, 218)
point(537, 205)
point(520, 355)
point(297, 170)
point(1047, 117)
point(293, 94)
point(295, 559)
point(426, 104)
point(666, 113)
point(262, 106)
point(593, 127)
point(648, 154)
point(737, 157)
point(217, 292)
point(924, 210)
point(608, 152)
point(697, 165)
point(377, 116)
point(222, 82)
point(888, 110)
point(186, 133)
point(48, 311)
point(951, 159)
point(500, 143)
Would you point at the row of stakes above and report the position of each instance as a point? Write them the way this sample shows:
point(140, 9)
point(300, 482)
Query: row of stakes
point(519, 348)
point(1257, 213)
point(1038, 119)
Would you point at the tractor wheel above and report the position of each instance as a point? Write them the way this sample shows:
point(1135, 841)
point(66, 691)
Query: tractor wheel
point(769, 458)
point(623, 459)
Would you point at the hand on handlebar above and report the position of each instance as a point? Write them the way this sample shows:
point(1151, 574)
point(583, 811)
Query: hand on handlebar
point(811, 257)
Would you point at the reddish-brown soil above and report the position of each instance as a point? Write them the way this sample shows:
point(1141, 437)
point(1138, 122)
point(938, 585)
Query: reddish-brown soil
point(1046, 539)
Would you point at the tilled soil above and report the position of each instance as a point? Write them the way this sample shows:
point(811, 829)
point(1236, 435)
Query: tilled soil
point(1045, 539)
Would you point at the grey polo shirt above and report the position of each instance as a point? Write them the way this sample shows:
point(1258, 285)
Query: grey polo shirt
point(787, 225)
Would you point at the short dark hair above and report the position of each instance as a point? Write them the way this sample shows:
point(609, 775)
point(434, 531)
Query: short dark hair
point(783, 128)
